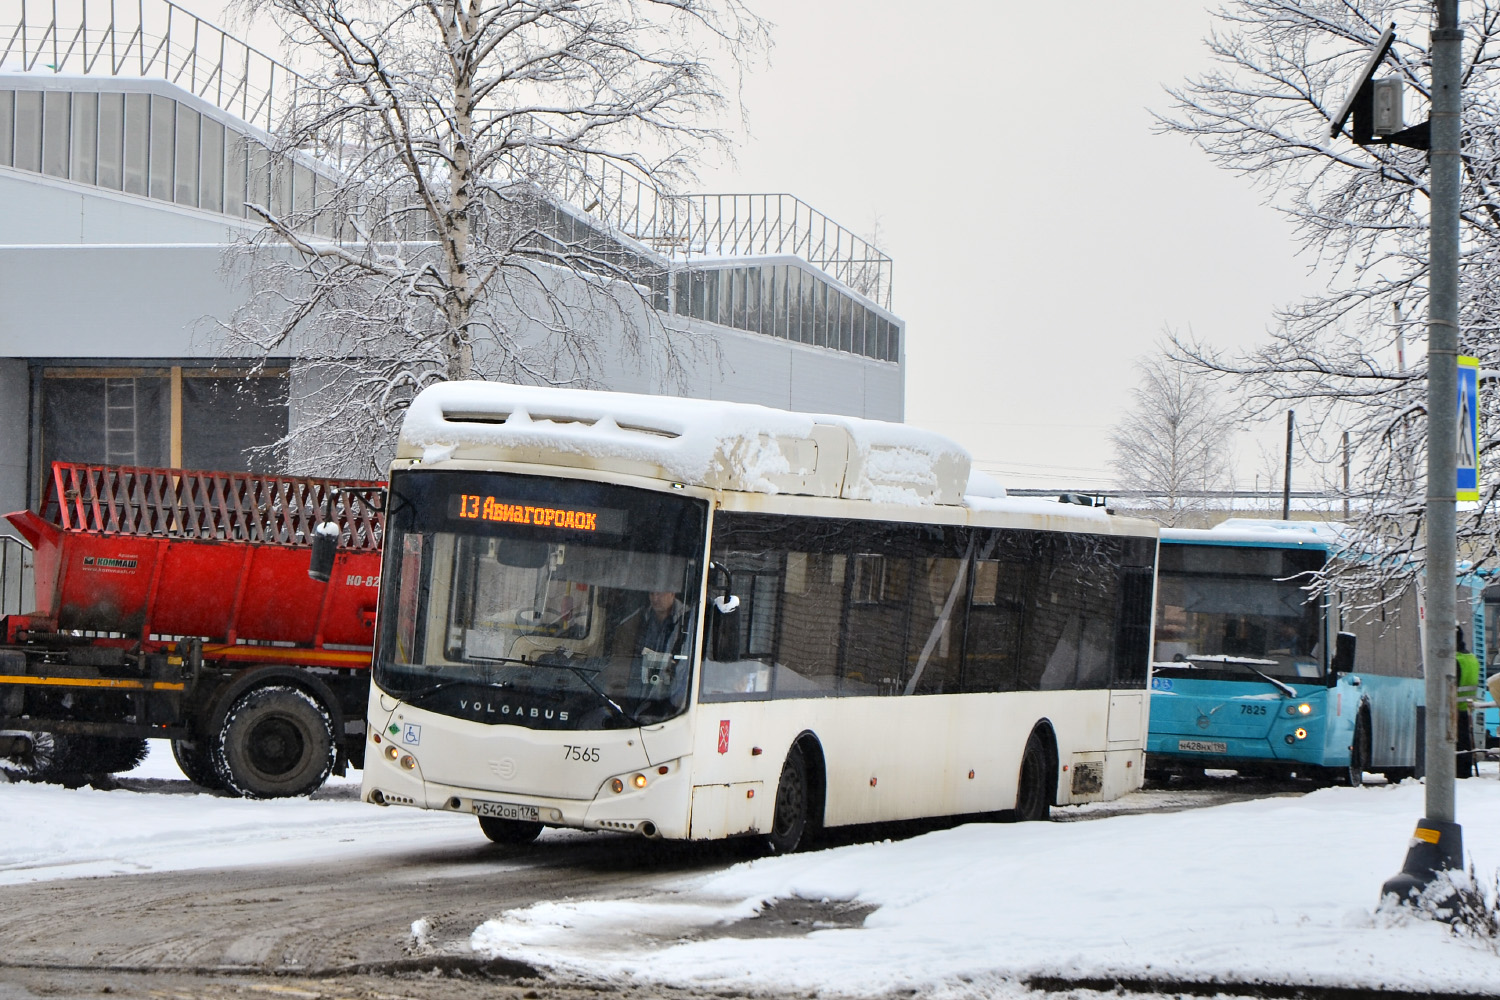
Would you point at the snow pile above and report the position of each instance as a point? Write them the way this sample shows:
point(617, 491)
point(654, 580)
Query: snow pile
point(741, 446)
point(1279, 890)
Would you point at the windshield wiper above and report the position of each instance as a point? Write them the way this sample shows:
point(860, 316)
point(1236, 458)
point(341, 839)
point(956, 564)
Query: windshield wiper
point(427, 692)
point(1249, 664)
point(582, 673)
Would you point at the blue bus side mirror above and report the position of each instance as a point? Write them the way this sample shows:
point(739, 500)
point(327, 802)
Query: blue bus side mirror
point(1343, 653)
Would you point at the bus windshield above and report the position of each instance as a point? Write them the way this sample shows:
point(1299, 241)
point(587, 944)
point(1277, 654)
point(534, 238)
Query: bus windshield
point(1235, 612)
point(540, 602)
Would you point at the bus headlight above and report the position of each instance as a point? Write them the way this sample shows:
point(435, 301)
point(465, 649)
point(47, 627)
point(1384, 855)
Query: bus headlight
point(1301, 709)
point(408, 762)
point(639, 781)
point(617, 786)
point(1300, 733)
point(391, 753)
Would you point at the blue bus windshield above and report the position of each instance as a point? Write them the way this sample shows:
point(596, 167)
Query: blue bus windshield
point(1222, 609)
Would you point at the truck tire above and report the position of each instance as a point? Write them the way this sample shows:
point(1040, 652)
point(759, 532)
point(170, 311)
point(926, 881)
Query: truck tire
point(196, 765)
point(275, 742)
point(109, 754)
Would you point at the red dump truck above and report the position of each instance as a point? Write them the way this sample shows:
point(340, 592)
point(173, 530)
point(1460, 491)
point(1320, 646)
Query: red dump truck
point(177, 605)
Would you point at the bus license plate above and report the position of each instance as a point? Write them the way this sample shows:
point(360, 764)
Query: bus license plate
point(1202, 746)
point(506, 810)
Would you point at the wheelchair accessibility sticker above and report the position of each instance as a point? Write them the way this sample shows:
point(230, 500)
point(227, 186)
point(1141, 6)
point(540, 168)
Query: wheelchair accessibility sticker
point(411, 735)
point(1161, 683)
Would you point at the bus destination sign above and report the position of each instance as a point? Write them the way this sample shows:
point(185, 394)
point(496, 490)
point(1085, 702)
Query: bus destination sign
point(475, 507)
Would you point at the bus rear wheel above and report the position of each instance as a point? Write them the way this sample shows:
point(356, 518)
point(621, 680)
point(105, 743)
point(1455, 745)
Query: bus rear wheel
point(1034, 788)
point(789, 823)
point(509, 831)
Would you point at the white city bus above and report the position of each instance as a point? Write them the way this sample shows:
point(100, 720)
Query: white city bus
point(691, 619)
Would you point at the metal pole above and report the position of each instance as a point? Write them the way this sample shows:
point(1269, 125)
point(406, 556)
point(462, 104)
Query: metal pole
point(1442, 412)
point(1286, 479)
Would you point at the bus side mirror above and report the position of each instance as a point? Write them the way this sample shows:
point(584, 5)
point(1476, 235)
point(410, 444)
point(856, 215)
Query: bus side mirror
point(325, 545)
point(1343, 653)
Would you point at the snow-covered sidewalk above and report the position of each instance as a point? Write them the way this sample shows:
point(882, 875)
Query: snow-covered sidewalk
point(1280, 890)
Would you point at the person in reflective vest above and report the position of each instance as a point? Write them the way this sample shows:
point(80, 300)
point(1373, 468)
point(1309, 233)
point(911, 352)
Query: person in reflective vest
point(1468, 691)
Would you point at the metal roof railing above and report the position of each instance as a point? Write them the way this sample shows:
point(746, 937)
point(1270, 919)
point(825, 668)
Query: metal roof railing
point(159, 39)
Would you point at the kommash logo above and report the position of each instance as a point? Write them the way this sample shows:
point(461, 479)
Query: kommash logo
point(110, 562)
point(486, 708)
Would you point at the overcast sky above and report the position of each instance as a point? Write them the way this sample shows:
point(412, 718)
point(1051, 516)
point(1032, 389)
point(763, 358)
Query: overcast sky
point(1043, 236)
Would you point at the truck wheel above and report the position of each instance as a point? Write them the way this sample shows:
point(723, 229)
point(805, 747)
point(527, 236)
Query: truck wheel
point(509, 831)
point(196, 765)
point(109, 754)
point(275, 742)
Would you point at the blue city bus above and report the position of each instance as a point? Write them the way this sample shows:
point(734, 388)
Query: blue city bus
point(1253, 672)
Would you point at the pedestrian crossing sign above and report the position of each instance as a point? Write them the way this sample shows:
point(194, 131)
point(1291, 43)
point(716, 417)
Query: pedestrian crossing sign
point(1466, 454)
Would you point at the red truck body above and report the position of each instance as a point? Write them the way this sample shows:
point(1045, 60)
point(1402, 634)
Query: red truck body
point(143, 574)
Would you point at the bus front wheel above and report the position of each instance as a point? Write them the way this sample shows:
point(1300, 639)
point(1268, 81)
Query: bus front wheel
point(789, 824)
point(509, 831)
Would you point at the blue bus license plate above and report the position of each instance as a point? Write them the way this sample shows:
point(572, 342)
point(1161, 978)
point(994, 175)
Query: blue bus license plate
point(506, 810)
point(1202, 746)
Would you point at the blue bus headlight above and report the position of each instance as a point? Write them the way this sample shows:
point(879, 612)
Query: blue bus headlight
point(1300, 709)
point(1300, 733)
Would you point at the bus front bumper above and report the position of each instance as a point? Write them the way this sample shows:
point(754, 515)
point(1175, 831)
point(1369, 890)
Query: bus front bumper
point(654, 802)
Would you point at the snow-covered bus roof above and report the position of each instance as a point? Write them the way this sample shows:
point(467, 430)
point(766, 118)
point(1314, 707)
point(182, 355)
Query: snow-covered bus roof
point(720, 445)
point(1255, 531)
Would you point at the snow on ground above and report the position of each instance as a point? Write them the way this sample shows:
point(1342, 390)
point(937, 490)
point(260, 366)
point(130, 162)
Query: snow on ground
point(49, 832)
point(1273, 890)
point(1280, 890)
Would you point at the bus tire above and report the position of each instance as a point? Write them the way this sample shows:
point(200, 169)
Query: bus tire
point(196, 765)
point(1034, 787)
point(509, 831)
point(1359, 752)
point(789, 822)
point(275, 742)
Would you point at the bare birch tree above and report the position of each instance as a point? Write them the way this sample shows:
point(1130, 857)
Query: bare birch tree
point(1283, 70)
point(1174, 442)
point(460, 171)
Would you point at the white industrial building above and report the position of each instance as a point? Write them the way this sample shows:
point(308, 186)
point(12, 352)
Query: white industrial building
point(127, 155)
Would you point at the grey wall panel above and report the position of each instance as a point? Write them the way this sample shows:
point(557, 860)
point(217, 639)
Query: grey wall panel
point(34, 210)
point(103, 302)
point(823, 381)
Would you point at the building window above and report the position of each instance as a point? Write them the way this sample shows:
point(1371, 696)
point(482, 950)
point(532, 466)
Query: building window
point(55, 114)
point(137, 141)
point(111, 141)
point(85, 137)
point(163, 120)
point(29, 130)
point(181, 417)
point(7, 125)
